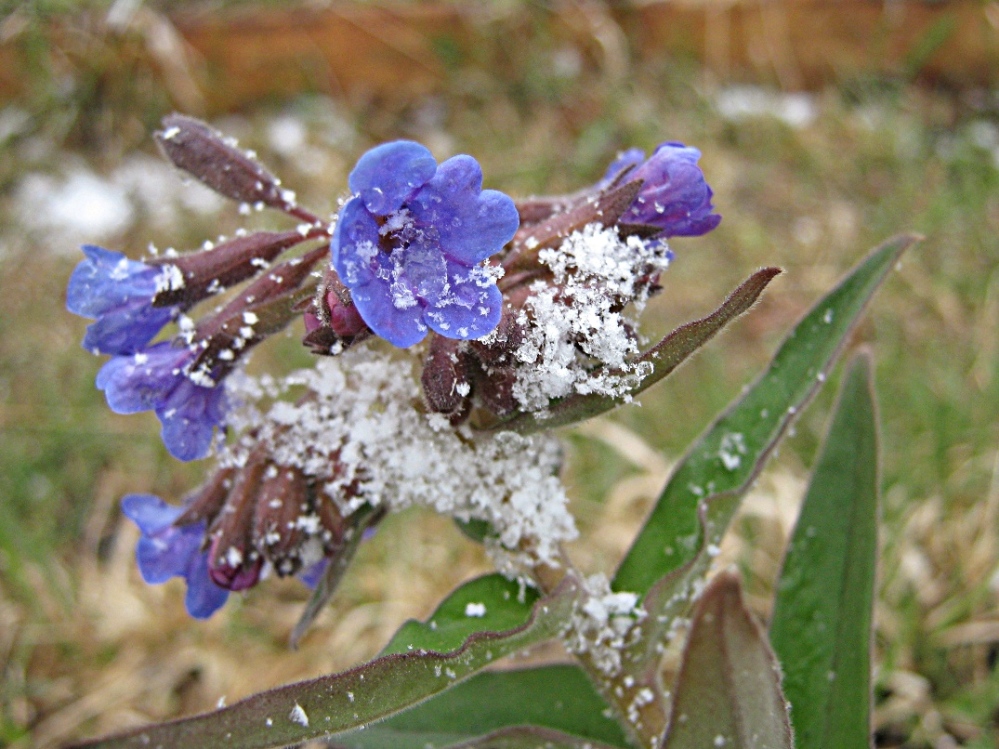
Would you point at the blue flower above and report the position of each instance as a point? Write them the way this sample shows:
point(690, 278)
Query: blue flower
point(158, 379)
point(410, 244)
point(118, 292)
point(166, 550)
point(674, 195)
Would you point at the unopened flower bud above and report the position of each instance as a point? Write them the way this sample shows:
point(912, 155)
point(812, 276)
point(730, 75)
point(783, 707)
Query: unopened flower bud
point(233, 562)
point(332, 320)
point(198, 275)
point(216, 161)
point(494, 389)
point(498, 349)
point(445, 377)
point(674, 197)
point(278, 532)
point(208, 501)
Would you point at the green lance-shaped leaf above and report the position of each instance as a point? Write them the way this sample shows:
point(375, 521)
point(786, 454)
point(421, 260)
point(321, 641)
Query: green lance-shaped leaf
point(328, 583)
point(664, 357)
point(355, 698)
point(490, 603)
point(548, 706)
point(821, 628)
point(730, 454)
point(728, 691)
point(530, 737)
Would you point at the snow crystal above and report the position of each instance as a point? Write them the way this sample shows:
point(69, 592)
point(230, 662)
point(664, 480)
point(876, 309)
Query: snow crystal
point(477, 610)
point(731, 450)
point(298, 715)
point(604, 625)
point(170, 278)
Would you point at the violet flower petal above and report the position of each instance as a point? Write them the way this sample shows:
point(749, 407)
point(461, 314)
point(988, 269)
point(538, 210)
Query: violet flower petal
point(472, 223)
point(141, 381)
point(387, 175)
point(189, 416)
point(402, 327)
point(130, 328)
point(203, 597)
point(165, 551)
point(355, 245)
point(118, 292)
point(149, 512)
point(471, 309)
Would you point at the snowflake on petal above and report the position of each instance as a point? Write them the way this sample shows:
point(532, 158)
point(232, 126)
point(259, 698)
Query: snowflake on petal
point(411, 244)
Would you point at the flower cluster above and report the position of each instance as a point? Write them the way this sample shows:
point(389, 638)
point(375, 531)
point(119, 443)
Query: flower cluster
point(503, 307)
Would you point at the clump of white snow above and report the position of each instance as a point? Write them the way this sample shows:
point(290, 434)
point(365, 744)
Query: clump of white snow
point(578, 338)
point(604, 625)
point(358, 431)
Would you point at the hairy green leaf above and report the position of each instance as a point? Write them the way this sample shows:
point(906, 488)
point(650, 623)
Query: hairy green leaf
point(728, 691)
point(491, 603)
point(335, 570)
point(665, 357)
point(731, 453)
point(355, 698)
point(528, 707)
point(821, 628)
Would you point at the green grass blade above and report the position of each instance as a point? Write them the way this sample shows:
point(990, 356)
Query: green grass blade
point(501, 705)
point(724, 461)
point(728, 691)
point(821, 628)
point(353, 699)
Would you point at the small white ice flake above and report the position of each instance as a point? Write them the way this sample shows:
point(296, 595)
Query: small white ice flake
point(298, 715)
point(827, 318)
point(250, 318)
point(720, 740)
point(170, 278)
point(731, 450)
point(475, 610)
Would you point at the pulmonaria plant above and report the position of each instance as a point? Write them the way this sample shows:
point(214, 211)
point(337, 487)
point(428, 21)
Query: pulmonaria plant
point(417, 249)
point(455, 327)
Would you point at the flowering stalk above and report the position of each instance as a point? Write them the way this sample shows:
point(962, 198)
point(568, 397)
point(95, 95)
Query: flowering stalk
point(640, 707)
point(515, 309)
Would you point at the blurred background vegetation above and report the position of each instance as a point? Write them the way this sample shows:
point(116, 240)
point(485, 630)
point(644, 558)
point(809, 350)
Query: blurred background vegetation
point(812, 164)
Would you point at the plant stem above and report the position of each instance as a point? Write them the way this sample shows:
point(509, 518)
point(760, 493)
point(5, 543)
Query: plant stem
point(643, 720)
